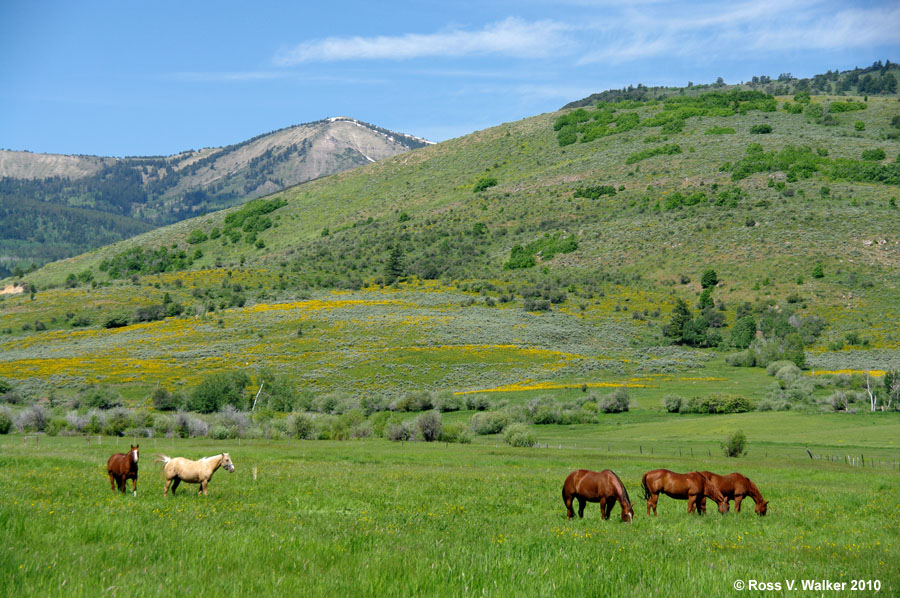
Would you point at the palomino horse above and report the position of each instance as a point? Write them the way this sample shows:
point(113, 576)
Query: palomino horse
point(122, 467)
point(691, 486)
point(604, 487)
point(179, 469)
point(736, 487)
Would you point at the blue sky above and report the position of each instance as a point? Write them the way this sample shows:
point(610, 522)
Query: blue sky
point(150, 78)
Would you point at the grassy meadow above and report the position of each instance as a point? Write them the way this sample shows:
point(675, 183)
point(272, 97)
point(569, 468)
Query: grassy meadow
point(379, 518)
point(526, 275)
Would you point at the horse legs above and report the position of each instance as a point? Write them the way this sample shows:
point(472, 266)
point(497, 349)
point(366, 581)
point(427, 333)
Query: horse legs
point(171, 482)
point(581, 503)
point(606, 507)
point(134, 485)
point(112, 482)
point(203, 490)
point(569, 512)
point(701, 505)
point(692, 504)
point(651, 503)
point(737, 502)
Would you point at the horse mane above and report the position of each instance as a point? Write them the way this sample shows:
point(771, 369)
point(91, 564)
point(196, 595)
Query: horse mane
point(624, 490)
point(707, 483)
point(754, 491)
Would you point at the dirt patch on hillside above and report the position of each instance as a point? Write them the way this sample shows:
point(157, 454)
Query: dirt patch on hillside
point(12, 289)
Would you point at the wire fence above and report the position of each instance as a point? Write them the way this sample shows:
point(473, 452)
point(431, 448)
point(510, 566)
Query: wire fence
point(852, 460)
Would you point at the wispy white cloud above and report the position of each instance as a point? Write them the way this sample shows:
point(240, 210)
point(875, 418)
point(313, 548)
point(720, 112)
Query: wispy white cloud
point(852, 28)
point(510, 37)
point(713, 30)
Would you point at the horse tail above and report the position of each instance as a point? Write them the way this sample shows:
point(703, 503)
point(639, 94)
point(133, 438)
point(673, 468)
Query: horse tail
point(160, 458)
point(644, 486)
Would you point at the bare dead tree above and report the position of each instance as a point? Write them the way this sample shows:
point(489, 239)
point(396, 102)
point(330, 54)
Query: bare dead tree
point(873, 399)
point(256, 398)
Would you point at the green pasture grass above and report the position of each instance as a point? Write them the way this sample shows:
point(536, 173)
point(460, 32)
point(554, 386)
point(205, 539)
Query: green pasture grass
point(374, 518)
point(782, 435)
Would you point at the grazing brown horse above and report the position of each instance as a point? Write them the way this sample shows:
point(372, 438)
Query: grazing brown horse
point(604, 487)
point(736, 487)
point(179, 469)
point(691, 486)
point(122, 467)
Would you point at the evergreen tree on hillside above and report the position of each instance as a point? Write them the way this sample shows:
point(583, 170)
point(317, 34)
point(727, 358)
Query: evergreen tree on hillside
point(681, 315)
point(709, 279)
point(394, 268)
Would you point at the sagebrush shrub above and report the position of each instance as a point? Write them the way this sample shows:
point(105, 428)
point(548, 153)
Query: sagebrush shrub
point(398, 432)
point(672, 403)
point(6, 420)
point(456, 432)
point(32, 419)
point(429, 425)
point(300, 426)
point(489, 422)
point(734, 444)
point(518, 435)
point(615, 402)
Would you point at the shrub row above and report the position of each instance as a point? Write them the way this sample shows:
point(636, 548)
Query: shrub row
point(714, 403)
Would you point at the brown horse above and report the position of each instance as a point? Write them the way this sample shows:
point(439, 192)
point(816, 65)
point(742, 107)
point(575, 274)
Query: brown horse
point(736, 487)
point(691, 486)
point(122, 467)
point(179, 469)
point(604, 487)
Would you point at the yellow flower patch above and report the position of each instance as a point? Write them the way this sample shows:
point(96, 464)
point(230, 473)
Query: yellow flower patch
point(315, 305)
point(553, 386)
point(875, 373)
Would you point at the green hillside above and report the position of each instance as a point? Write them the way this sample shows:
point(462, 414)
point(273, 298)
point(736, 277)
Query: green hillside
point(878, 79)
point(541, 254)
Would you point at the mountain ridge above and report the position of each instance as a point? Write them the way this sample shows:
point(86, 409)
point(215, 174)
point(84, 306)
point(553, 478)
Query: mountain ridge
point(35, 165)
point(159, 190)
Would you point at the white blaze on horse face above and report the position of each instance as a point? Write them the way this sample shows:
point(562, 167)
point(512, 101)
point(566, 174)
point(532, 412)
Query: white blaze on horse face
point(134, 455)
